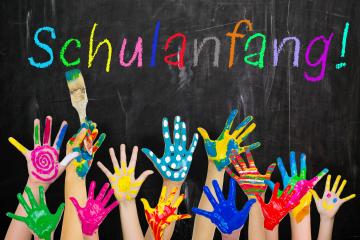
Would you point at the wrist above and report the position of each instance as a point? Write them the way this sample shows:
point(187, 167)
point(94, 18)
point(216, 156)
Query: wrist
point(34, 185)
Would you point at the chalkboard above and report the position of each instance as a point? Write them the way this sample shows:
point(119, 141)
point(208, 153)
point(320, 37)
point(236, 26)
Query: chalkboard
point(320, 118)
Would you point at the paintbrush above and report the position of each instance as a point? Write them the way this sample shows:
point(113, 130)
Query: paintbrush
point(77, 88)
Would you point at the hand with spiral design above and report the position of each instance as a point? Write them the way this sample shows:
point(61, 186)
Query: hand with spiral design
point(43, 161)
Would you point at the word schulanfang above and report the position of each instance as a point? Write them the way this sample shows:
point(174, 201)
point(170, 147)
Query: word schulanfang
point(176, 59)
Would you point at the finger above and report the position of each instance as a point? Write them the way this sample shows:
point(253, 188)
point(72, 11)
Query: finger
point(341, 188)
point(166, 132)
point(18, 146)
point(99, 142)
point(36, 133)
point(275, 191)
point(176, 137)
point(16, 217)
point(293, 167)
point(59, 212)
point(183, 136)
point(253, 146)
point(336, 183)
point(162, 194)
point(282, 169)
point(202, 212)
point(241, 162)
point(102, 192)
point(318, 177)
point(79, 137)
point(93, 134)
point(230, 120)
point(218, 191)
point(144, 175)
point(113, 158)
point(210, 197)
point(60, 136)
point(315, 195)
point(303, 166)
point(232, 174)
point(246, 133)
point(41, 196)
point(123, 162)
point(193, 143)
point(233, 158)
point(242, 125)
point(133, 157)
point(270, 170)
point(146, 204)
point(91, 190)
point(47, 131)
point(107, 197)
point(232, 191)
point(31, 197)
point(23, 202)
point(203, 133)
point(75, 203)
point(285, 196)
point(178, 201)
point(111, 207)
point(250, 159)
point(270, 183)
point(104, 170)
point(327, 185)
point(67, 160)
point(348, 198)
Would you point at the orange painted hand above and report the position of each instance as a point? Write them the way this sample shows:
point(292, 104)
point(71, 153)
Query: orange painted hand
point(164, 213)
point(330, 202)
point(123, 181)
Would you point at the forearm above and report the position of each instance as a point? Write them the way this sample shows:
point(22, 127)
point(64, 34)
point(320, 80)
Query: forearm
point(326, 228)
point(301, 230)
point(129, 219)
point(95, 236)
point(19, 230)
point(168, 232)
point(203, 227)
point(256, 228)
point(272, 234)
point(235, 235)
point(74, 187)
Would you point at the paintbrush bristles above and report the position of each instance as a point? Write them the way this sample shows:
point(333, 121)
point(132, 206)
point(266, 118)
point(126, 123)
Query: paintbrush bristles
point(77, 88)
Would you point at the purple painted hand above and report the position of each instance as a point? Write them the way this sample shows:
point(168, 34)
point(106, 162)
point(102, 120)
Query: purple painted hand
point(94, 212)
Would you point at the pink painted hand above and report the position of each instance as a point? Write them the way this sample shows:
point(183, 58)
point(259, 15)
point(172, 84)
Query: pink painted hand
point(43, 161)
point(94, 212)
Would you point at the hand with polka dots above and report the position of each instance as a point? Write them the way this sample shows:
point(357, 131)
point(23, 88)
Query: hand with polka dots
point(330, 203)
point(123, 181)
point(176, 160)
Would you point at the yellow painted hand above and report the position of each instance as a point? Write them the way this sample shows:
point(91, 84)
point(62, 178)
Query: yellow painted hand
point(219, 150)
point(330, 203)
point(123, 181)
point(303, 209)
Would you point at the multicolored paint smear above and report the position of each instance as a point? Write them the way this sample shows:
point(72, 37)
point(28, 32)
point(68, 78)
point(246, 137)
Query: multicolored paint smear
point(163, 214)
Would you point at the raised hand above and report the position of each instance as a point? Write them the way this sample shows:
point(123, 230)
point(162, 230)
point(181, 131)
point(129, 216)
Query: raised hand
point(278, 207)
point(43, 161)
point(39, 219)
point(176, 160)
point(219, 150)
point(225, 214)
point(299, 183)
point(123, 181)
point(330, 202)
point(248, 177)
point(86, 149)
point(95, 210)
point(163, 214)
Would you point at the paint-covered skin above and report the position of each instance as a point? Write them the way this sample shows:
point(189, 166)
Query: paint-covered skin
point(87, 149)
point(43, 161)
point(219, 150)
point(95, 211)
point(164, 213)
point(331, 201)
point(278, 207)
point(225, 215)
point(299, 183)
point(39, 219)
point(176, 160)
point(248, 176)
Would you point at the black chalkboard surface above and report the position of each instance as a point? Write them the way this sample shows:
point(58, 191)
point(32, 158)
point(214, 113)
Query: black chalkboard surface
point(320, 118)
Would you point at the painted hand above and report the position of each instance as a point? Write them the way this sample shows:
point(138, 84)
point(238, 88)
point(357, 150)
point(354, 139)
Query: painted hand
point(249, 178)
point(298, 182)
point(87, 148)
point(123, 181)
point(225, 215)
point(163, 214)
point(176, 160)
point(330, 202)
point(43, 161)
point(278, 207)
point(219, 150)
point(39, 219)
point(94, 212)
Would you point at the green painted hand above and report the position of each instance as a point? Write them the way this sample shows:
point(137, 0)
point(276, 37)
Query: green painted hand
point(39, 219)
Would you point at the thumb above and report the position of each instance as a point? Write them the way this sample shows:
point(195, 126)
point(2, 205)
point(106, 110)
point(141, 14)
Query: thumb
point(75, 203)
point(144, 175)
point(67, 159)
point(145, 203)
point(270, 169)
point(59, 212)
point(247, 206)
point(203, 133)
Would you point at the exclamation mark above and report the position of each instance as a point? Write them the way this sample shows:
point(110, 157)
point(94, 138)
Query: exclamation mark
point(343, 46)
